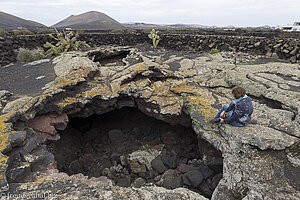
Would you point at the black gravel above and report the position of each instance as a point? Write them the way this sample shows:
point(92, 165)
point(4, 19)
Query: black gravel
point(21, 79)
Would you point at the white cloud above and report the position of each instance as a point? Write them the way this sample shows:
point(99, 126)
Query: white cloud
point(217, 12)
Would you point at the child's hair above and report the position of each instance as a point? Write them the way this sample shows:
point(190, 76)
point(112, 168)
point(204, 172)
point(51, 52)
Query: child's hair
point(238, 92)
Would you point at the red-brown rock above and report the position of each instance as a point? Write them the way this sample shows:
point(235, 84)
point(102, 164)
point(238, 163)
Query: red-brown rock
point(49, 123)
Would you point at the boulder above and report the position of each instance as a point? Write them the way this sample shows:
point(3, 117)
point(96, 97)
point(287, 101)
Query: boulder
point(137, 183)
point(171, 179)
point(72, 61)
point(169, 159)
point(205, 171)
point(140, 161)
point(183, 168)
point(193, 178)
point(158, 165)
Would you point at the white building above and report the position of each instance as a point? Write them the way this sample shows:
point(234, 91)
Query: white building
point(292, 28)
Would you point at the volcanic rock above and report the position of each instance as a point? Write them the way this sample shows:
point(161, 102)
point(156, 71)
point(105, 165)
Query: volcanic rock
point(192, 178)
point(171, 179)
point(158, 165)
point(259, 160)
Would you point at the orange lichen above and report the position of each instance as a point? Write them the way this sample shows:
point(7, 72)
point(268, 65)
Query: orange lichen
point(4, 141)
point(92, 84)
point(101, 89)
point(3, 158)
point(174, 109)
point(61, 82)
point(3, 165)
point(165, 100)
point(203, 105)
point(143, 83)
point(115, 87)
point(160, 88)
point(146, 93)
point(41, 98)
point(5, 127)
point(5, 118)
point(92, 93)
point(28, 105)
point(36, 183)
point(184, 87)
point(67, 101)
point(125, 85)
point(199, 100)
point(140, 67)
point(5, 130)
point(21, 105)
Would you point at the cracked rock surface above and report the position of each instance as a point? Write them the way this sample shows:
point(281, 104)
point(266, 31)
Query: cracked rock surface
point(261, 161)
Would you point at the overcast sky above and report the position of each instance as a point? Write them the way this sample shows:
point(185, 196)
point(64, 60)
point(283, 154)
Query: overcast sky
point(205, 12)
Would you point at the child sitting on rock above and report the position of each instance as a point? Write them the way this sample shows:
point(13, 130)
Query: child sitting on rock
point(239, 112)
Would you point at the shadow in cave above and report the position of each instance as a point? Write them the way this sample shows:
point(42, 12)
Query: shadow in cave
point(133, 149)
point(105, 58)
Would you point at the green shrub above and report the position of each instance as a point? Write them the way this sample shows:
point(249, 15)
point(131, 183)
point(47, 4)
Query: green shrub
point(213, 51)
point(4, 32)
point(117, 31)
point(26, 55)
point(52, 49)
point(153, 35)
point(39, 55)
point(23, 33)
point(130, 31)
point(66, 41)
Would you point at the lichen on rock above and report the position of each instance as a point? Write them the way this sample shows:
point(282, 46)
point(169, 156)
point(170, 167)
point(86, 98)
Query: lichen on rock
point(189, 92)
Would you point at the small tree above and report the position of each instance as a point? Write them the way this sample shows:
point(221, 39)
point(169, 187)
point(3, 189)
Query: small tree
point(155, 37)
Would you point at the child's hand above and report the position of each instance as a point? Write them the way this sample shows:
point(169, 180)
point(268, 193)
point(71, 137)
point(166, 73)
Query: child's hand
point(221, 120)
point(222, 114)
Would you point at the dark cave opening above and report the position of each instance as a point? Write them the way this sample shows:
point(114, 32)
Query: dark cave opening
point(105, 58)
point(133, 149)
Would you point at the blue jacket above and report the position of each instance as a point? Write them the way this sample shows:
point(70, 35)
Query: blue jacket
point(242, 109)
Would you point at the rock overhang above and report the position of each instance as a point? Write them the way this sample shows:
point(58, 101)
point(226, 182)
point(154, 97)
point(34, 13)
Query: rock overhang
point(190, 93)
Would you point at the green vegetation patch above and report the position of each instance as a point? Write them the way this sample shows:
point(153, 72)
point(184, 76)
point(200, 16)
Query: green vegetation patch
point(213, 51)
point(4, 32)
point(26, 55)
point(23, 32)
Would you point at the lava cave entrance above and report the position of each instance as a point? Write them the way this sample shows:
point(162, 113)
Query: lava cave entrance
point(105, 58)
point(133, 149)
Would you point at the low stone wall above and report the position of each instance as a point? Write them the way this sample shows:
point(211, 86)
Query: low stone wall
point(9, 46)
point(272, 45)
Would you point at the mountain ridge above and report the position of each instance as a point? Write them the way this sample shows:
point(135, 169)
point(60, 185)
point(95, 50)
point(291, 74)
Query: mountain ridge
point(91, 20)
point(10, 22)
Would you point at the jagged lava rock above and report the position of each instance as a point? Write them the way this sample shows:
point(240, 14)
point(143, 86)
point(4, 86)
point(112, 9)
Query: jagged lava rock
point(256, 160)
